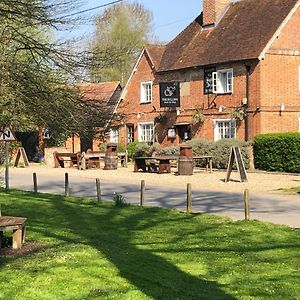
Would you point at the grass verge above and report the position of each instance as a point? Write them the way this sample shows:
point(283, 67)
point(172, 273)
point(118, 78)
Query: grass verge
point(90, 251)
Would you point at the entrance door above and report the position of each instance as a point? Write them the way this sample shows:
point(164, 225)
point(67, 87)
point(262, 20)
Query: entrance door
point(184, 132)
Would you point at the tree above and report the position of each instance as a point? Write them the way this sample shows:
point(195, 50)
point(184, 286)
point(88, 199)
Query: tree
point(121, 32)
point(35, 68)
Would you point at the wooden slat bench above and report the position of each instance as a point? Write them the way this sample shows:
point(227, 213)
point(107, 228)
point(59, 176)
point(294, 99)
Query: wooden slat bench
point(17, 225)
point(61, 158)
point(92, 159)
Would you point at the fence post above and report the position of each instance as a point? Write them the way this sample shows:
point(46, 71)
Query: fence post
point(142, 199)
point(35, 187)
point(189, 198)
point(247, 204)
point(98, 189)
point(67, 189)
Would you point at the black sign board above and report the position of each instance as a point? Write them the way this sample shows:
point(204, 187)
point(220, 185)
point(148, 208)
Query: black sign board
point(235, 155)
point(208, 81)
point(169, 94)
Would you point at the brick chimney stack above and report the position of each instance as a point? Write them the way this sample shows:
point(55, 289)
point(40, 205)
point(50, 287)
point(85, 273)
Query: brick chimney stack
point(213, 9)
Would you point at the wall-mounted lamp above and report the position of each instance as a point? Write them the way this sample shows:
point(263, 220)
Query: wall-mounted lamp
point(179, 111)
point(282, 107)
point(222, 108)
point(139, 115)
point(244, 101)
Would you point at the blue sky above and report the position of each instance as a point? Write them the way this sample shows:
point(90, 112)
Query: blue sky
point(169, 16)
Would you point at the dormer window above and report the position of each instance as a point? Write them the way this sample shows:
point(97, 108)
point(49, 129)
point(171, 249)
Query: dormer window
point(146, 92)
point(223, 81)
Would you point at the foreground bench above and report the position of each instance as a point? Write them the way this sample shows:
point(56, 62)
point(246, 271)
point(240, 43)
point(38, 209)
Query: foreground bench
point(17, 225)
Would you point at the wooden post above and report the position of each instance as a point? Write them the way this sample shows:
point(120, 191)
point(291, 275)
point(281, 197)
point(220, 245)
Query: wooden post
point(35, 187)
point(98, 189)
point(7, 166)
point(142, 200)
point(67, 189)
point(247, 204)
point(189, 198)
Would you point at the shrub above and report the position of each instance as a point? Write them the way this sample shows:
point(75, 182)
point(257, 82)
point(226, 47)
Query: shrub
point(120, 147)
point(219, 150)
point(277, 152)
point(120, 200)
point(174, 150)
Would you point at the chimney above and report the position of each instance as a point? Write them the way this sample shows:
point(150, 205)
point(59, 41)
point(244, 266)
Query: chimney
point(212, 10)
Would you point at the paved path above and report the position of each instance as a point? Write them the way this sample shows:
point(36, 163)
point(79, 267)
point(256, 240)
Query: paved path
point(279, 209)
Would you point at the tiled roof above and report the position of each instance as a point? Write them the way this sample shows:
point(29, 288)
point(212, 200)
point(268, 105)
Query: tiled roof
point(155, 53)
point(101, 92)
point(242, 34)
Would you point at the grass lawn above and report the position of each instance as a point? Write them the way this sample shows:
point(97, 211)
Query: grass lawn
point(294, 190)
point(94, 251)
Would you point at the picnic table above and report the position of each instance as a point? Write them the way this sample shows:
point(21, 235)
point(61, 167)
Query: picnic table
point(148, 163)
point(17, 225)
point(60, 159)
point(90, 159)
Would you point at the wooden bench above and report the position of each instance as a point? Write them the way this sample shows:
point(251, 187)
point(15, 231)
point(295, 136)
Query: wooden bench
point(17, 225)
point(61, 158)
point(207, 159)
point(92, 159)
point(147, 163)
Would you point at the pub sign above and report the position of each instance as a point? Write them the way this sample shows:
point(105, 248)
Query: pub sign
point(169, 94)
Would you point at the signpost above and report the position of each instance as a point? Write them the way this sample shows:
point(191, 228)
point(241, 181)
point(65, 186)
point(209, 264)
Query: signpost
point(169, 94)
point(7, 135)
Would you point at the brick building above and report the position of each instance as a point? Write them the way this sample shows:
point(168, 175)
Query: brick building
point(96, 95)
point(234, 72)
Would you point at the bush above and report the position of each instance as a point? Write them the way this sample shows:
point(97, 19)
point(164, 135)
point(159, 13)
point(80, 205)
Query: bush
point(120, 200)
point(219, 150)
point(277, 152)
point(120, 147)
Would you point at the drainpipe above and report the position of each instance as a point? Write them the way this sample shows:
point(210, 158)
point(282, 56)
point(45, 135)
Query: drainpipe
point(248, 68)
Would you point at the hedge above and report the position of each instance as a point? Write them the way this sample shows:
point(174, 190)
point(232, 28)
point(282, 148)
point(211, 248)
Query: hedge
point(277, 152)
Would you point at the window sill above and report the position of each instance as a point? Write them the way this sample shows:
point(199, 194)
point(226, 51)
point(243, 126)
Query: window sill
point(229, 93)
point(145, 102)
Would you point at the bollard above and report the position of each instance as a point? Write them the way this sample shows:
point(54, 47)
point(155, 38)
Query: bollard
point(189, 198)
point(142, 199)
point(247, 204)
point(98, 189)
point(35, 187)
point(67, 190)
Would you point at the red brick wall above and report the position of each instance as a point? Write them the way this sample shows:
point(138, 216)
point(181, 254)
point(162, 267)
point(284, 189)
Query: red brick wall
point(212, 10)
point(192, 97)
point(280, 82)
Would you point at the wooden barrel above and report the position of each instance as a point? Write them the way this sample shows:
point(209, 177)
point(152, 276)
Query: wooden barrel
point(185, 165)
point(110, 161)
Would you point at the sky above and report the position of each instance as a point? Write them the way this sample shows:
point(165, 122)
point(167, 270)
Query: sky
point(169, 16)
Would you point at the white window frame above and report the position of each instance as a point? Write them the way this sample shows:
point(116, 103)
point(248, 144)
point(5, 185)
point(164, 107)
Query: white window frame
point(145, 97)
point(114, 135)
point(141, 135)
point(222, 81)
point(217, 136)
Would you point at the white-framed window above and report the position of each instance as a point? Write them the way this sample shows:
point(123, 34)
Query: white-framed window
point(146, 92)
point(114, 135)
point(146, 132)
point(222, 81)
point(224, 129)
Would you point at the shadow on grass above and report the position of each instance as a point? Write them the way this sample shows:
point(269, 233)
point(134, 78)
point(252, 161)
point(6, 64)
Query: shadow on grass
point(151, 274)
point(113, 232)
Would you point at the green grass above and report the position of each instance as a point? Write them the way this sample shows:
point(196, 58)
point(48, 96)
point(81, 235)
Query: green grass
point(103, 252)
point(293, 190)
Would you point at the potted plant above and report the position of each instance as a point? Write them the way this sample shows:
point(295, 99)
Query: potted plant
point(161, 118)
point(239, 113)
point(198, 116)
